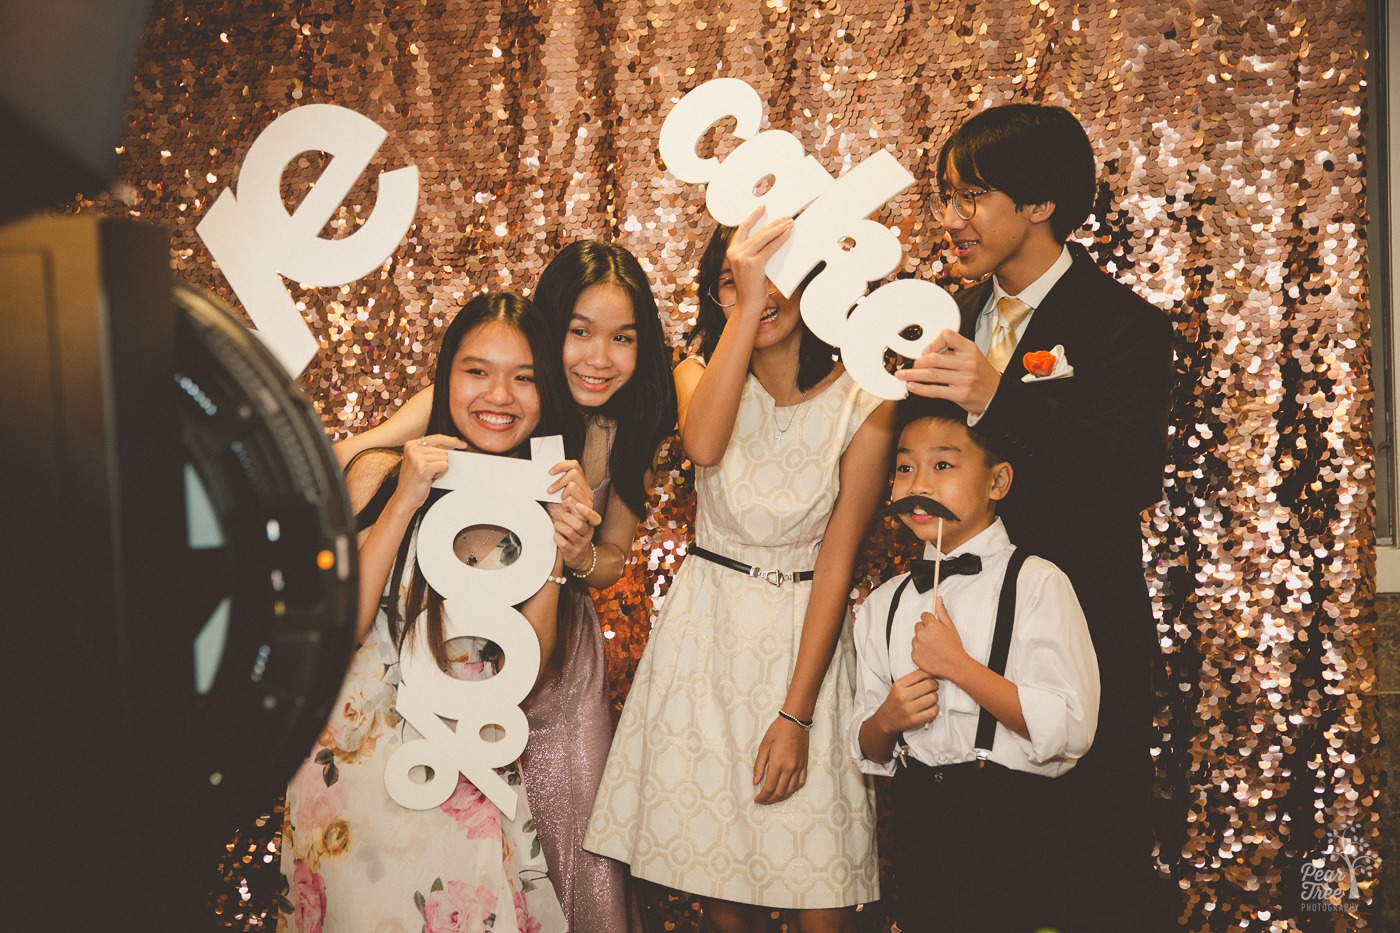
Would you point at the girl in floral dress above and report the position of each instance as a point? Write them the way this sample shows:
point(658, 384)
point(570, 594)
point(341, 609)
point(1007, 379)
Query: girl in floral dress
point(354, 858)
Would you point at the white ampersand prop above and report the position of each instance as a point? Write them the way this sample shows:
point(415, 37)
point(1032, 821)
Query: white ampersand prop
point(482, 603)
point(256, 242)
point(832, 226)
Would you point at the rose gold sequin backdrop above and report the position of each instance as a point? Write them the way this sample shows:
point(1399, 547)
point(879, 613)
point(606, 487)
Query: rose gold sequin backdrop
point(1231, 143)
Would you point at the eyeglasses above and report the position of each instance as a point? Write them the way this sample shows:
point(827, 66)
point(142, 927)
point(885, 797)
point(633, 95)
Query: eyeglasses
point(725, 293)
point(963, 200)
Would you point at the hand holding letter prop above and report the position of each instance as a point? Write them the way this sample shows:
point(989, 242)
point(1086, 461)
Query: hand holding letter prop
point(832, 227)
point(749, 253)
point(486, 490)
point(574, 517)
point(953, 368)
point(424, 460)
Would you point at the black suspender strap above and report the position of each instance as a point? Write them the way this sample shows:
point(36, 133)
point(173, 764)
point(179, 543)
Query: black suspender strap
point(900, 749)
point(1001, 647)
point(889, 622)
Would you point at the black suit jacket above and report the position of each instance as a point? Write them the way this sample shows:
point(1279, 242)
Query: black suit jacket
point(1088, 454)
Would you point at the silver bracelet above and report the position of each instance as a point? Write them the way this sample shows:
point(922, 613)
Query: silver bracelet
point(562, 581)
point(804, 723)
point(586, 573)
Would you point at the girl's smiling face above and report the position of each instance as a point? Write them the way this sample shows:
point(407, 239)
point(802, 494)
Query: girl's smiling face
point(600, 345)
point(494, 402)
point(780, 315)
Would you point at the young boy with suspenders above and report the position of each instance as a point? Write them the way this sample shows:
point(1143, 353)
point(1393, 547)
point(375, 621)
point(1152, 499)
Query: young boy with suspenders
point(974, 704)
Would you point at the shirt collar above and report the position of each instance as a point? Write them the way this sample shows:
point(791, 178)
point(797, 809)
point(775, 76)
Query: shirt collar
point(1034, 293)
point(988, 542)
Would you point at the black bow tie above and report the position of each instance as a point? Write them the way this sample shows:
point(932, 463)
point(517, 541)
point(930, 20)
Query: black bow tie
point(922, 570)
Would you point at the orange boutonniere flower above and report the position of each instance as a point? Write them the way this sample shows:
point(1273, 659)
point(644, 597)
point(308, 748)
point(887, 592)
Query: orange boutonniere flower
point(1039, 362)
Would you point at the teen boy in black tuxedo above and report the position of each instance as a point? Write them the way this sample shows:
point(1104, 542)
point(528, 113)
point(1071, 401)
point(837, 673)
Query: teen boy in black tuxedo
point(1087, 440)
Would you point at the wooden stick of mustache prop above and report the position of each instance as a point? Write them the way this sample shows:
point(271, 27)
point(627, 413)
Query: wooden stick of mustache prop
point(932, 507)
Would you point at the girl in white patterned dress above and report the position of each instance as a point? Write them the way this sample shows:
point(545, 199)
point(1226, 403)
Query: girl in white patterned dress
point(729, 776)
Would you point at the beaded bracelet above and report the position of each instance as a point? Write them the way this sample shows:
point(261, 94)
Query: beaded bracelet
point(804, 723)
point(586, 573)
point(562, 581)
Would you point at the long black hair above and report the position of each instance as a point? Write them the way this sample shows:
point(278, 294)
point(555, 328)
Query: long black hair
point(990, 151)
point(558, 415)
point(814, 356)
point(644, 409)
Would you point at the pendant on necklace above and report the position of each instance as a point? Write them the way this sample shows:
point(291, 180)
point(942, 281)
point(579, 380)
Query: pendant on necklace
point(780, 432)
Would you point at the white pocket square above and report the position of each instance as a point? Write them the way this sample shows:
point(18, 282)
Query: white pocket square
point(1062, 368)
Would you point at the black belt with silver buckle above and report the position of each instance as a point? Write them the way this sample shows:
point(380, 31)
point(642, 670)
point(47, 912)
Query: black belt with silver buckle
point(775, 577)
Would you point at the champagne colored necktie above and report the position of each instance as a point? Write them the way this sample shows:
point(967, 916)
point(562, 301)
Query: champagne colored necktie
point(1010, 313)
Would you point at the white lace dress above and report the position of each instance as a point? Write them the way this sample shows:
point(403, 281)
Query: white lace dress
point(676, 801)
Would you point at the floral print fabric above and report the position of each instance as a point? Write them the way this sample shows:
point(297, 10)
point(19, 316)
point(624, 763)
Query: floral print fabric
point(356, 860)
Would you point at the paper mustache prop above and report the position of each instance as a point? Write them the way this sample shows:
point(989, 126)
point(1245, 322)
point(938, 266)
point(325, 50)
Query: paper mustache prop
point(932, 507)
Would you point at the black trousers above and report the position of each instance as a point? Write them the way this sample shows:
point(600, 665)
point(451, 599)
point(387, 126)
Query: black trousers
point(977, 850)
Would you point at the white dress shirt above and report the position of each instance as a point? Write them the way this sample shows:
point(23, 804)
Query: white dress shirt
point(1051, 662)
point(1033, 294)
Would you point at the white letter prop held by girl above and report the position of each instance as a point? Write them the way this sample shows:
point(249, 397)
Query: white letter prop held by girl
point(487, 490)
point(255, 241)
point(832, 227)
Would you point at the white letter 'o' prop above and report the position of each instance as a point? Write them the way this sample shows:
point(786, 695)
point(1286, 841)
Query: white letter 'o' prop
point(504, 586)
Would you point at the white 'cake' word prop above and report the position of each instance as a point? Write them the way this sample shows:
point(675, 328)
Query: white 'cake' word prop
point(832, 227)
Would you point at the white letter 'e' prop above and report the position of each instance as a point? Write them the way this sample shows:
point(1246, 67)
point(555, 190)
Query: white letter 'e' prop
point(832, 229)
point(491, 729)
point(255, 241)
point(883, 316)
